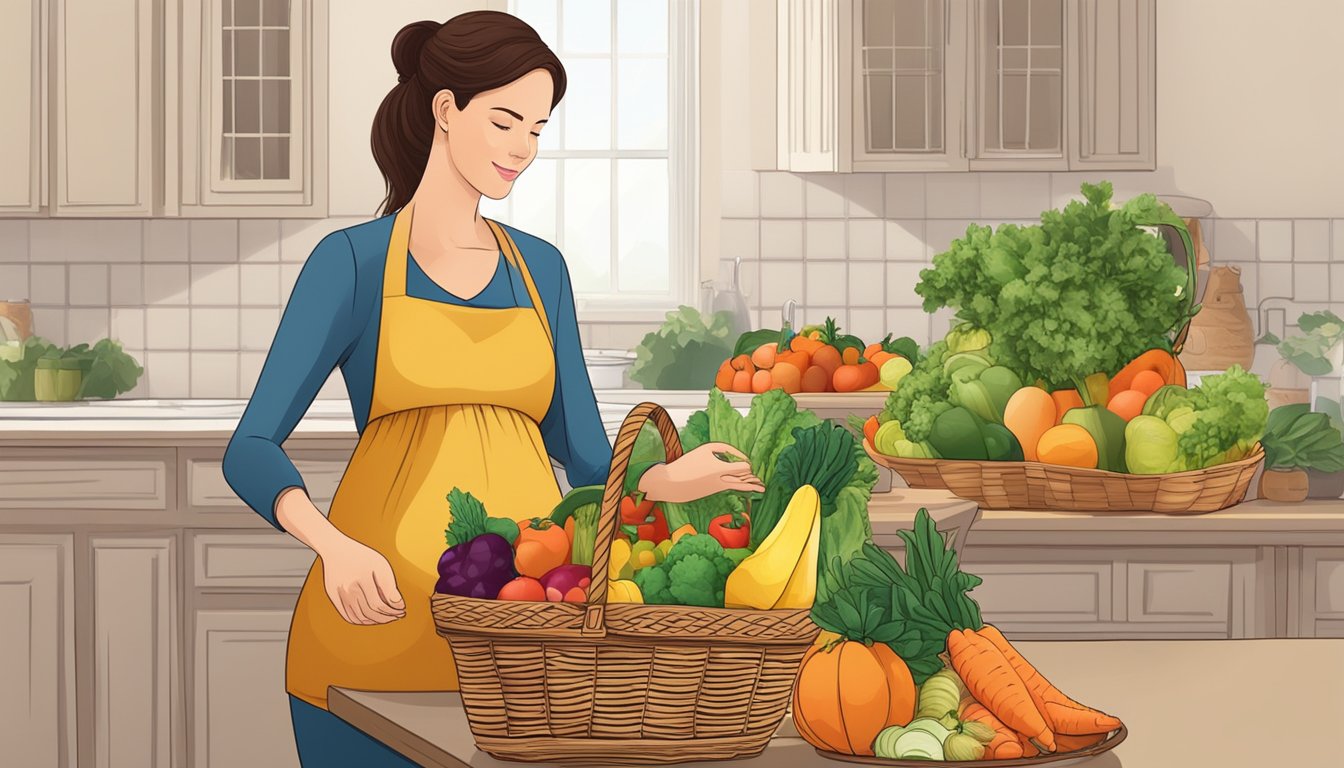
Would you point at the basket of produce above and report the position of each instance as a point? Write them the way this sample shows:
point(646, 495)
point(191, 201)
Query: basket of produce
point(818, 360)
point(910, 674)
point(1062, 386)
point(623, 649)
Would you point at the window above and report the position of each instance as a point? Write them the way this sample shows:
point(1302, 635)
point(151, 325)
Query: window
point(613, 185)
point(1022, 81)
point(902, 72)
point(257, 143)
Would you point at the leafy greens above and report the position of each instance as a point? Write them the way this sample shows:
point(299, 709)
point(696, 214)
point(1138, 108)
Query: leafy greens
point(685, 352)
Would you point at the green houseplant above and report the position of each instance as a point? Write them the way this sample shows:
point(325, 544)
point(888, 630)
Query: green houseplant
point(1296, 440)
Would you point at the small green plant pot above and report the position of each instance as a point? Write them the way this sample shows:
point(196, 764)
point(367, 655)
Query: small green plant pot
point(1324, 485)
point(1289, 485)
point(57, 380)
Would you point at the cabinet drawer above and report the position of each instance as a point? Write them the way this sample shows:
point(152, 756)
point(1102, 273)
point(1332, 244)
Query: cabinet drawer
point(208, 491)
point(1180, 592)
point(1044, 592)
point(250, 560)
point(37, 478)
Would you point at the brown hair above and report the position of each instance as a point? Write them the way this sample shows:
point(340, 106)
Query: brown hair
point(468, 54)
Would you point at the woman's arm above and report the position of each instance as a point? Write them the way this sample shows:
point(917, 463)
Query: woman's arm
point(315, 334)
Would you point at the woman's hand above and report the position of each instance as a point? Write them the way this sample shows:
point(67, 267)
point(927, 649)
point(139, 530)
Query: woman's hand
point(697, 474)
point(360, 583)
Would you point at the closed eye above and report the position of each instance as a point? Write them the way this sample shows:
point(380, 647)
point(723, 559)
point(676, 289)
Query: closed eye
point(500, 127)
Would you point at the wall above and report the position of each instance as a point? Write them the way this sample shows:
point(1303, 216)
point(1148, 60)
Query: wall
point(1243, 121)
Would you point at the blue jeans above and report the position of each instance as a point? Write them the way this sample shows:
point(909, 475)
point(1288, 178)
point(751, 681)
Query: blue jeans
point(326, 741)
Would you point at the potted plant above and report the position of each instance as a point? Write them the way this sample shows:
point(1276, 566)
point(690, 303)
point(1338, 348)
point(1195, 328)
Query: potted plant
point(1308, 359)
point(1297, 440)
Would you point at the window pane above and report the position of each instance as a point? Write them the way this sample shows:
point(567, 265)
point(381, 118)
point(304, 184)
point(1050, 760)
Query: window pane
point(226, 51)
point(275, 106)
point(912, 60)
point(275, 52)
point(275, 13)
point(587, 224)
point(642, 221)
point(275, 157)
point(879, 22)
point(1014, 21)
point(641, 120)
point(879, 58)
point(1046, 58)
point(247, 158)
point(1014, 59)
point(1047, 22)
point(1014, 112)
point(540, 14)
point(246, 13)
point(588, 104)
point(227, 126)
point(226, 158)
point(247, 106)
point(247, 53)
point(911, 106)
point(910, 25)
point(586, 26)
point(641, 26)
point(1046, 112)
point(880, 131)
point(533, 200)
point(226, 12)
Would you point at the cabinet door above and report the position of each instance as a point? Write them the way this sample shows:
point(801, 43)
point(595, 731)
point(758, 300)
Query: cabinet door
point(1017, 106)
point(254, 108)
point(1112, 60)
point(240, 710)
point(21, 145)
point(908, 87)
point(137, 676)
point(37, 665)
point(105, 87)
point(1321, 597)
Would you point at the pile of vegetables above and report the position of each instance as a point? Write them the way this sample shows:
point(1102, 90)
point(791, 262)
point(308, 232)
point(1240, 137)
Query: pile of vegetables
point(1063, 353)
point(106, 370)
point(816, 359)
point(684, 352)
point(910, 671)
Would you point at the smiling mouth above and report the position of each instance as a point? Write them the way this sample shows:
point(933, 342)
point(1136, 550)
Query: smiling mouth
point(505, 172)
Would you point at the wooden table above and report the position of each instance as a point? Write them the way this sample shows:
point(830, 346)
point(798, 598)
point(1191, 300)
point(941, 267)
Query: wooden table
point(1226, 703)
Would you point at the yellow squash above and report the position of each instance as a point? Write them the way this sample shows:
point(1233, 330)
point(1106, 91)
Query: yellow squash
point(623, 591)
point(782, 572)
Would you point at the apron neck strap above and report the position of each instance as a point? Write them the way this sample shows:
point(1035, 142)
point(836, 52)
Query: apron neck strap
point(398, 248)
point(514, 258)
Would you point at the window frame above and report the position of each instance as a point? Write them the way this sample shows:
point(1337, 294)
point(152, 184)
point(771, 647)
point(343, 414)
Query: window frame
point(682, 156)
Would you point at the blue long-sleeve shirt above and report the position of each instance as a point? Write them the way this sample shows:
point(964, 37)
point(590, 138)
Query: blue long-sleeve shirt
point(332, 320)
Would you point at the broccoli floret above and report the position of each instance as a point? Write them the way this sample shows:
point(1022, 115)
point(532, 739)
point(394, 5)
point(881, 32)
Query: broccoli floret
point(653, 585)
point(696, 580)
point(693, 573)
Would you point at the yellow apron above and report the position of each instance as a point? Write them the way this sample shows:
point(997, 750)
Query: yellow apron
point(458, 394)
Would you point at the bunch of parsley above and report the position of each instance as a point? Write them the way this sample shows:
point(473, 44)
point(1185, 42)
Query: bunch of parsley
point(1085, 291)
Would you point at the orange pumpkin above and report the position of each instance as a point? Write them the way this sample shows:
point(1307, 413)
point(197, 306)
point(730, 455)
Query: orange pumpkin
point(848, 692)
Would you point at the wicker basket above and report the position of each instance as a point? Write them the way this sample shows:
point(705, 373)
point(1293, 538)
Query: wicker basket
point(624, 683)
point(1032, 485)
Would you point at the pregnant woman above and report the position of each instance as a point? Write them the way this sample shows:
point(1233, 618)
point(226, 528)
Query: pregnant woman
point(459, 346)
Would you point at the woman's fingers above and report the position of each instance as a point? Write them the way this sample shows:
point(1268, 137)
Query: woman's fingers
point(749, 487)
point(378, 610)
point(386, 583)
point(356, 606)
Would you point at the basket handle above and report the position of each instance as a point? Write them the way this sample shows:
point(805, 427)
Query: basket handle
point(608, 521)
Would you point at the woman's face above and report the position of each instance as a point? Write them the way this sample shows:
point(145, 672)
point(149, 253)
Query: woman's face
point(495, 138)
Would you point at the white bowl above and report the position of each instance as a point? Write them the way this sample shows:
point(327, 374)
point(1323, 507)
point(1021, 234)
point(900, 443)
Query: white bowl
point(607, 368)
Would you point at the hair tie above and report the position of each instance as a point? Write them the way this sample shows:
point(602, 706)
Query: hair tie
point(403, 78)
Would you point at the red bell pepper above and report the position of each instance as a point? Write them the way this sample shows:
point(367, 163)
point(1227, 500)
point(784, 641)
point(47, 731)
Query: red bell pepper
point(733, 530)
point(645, 517)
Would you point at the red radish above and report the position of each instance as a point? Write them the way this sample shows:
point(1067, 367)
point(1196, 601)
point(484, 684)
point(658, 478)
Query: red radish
point(564, 581)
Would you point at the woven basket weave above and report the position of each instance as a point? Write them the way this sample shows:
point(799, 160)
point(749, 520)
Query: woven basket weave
point(1033, 485)
point(602, 684)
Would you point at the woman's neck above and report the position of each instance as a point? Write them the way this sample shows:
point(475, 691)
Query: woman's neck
point(449, 206)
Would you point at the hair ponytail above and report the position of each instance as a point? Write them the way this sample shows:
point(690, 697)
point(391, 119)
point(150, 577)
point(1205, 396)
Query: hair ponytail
point(471, 53)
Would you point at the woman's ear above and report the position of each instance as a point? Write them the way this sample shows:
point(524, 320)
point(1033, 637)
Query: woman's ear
point(444, 105)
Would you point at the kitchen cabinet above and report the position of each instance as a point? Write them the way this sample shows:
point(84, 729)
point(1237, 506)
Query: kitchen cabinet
point(1079, 593)
point(22, 138)
point(137, 673)
point(37, 699)
point(101, 121)
point(1321, 592)
point(958, 85)
point(252, 93)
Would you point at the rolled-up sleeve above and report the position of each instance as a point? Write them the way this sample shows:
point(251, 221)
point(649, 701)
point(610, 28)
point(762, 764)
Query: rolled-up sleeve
point(315, 335)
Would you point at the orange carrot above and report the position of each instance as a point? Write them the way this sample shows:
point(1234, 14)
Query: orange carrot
point(1069, 743)
point(992, 681)
point(1005, 744)
point(1063, 714)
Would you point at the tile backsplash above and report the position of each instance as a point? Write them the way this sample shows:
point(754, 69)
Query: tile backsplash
point(198, 301)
